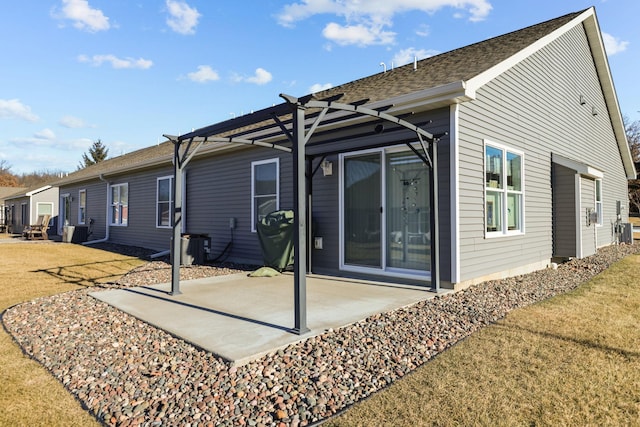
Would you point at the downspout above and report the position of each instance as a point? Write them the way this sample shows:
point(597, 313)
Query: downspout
point(107, 228)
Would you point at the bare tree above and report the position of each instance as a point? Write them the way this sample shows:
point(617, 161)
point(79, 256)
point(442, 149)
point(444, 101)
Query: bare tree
point(633, 138)
point(7, 178)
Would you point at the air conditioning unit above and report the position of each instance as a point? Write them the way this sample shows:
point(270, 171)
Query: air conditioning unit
point(626, 235)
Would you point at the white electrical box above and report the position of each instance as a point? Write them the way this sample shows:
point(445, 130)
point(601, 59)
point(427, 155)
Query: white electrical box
point(317, 243)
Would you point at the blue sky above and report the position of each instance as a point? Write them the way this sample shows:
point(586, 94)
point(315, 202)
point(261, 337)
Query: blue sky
point(127, 71)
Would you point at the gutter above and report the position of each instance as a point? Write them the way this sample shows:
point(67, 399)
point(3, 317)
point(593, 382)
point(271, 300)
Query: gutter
point(106, 238)
point(160, 254)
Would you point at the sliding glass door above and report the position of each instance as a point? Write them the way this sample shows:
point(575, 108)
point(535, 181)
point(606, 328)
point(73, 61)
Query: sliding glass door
point(385, 213)
point(407, 207)
point(362, 205)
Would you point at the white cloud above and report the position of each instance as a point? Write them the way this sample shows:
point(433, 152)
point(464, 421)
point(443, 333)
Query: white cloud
point(118, 63)
point(366, 21)
point(182, 18)
point(204, 74)
point(423, 30)
point(319, 87)
point(613, 45)
point(84, 17)
point(46, 138)
point(72, 122)
point(14, 109)
point(46, 134)
point(405, 56)
point(261, 77)
point(360, 35)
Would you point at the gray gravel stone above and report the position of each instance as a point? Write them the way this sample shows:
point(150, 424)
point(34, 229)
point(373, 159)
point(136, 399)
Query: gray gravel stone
point(126, 372)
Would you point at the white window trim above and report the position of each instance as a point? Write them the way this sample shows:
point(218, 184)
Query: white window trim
point(50, 204)
point(503, 191)
point(80, 222)
point(253, 195)
point(171, 199)
point(111, 219)
point(600, 211)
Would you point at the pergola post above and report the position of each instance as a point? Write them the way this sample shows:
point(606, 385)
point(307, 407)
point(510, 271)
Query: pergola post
point(300, 234)
point(176, 243)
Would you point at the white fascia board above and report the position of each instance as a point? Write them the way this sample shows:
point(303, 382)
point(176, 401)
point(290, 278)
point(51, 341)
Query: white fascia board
point(447, 94)
point(581, 168)
point(594, 36)
point(485, 77)
point(37, 190)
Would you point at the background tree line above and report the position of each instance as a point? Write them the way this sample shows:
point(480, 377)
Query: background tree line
point(96, 153)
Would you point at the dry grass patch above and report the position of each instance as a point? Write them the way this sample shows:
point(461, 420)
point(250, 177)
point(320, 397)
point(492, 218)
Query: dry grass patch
point(29, 395)
point(571, 360)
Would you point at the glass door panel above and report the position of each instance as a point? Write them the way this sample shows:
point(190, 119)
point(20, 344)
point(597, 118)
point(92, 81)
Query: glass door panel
point(362, 210)
point(407, 212)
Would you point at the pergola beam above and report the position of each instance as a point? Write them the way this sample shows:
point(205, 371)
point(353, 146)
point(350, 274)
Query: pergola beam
point(298, 135)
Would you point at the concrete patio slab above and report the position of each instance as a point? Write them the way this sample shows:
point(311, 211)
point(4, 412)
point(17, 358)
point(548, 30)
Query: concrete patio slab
point(241, 318)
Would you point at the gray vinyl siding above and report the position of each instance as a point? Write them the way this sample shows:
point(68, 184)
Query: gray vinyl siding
point(48, 196)
point(564, 212)
point(141, 227)
point(219, 188)
point(534, 107)
point(96, 192)
point(326, 224)
point(18, 221)
point(96, 208)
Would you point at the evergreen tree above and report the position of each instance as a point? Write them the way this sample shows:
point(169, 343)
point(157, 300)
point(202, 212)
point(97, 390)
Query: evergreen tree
point(97, 153)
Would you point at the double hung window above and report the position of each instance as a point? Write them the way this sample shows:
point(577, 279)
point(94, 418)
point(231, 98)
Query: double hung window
point(504, 190)
point(599, 202)
point(164, 201)
point(119, 204)
point(82, 206)
point(265, 189)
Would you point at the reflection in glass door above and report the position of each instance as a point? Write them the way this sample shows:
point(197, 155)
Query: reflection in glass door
point(386, 214)
point(407, 208)
point(362, 204)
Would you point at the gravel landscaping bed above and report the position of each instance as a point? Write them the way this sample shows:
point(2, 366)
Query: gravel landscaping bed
point(126, 372)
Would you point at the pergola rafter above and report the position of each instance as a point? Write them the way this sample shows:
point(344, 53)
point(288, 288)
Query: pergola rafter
point(297, 128)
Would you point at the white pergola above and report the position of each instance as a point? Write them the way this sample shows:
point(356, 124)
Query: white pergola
point(289, 127)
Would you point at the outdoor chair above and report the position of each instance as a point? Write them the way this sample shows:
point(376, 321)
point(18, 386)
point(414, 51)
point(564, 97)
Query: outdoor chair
point(38, 230)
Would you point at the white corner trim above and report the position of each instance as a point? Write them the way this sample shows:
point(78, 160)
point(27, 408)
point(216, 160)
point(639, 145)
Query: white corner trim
point(454, 160)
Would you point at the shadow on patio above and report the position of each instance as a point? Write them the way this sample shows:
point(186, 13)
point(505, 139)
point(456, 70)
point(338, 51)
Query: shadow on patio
point(241, 318)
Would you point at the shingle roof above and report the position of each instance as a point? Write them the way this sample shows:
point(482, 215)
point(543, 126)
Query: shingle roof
point(6, 192)
point(134, 160)
point(457, 65)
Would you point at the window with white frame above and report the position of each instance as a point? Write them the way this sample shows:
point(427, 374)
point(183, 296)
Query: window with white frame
point(82, 206)
point(44, 208)
point(504, 190)
point(119, 204)
point(265, 189)
point(164, 201)
point(599, 202)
